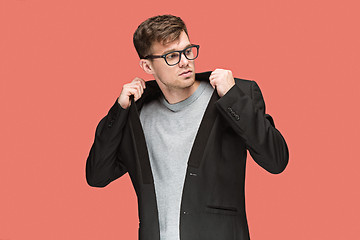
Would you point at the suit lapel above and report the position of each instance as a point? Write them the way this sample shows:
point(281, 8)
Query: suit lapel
point(202, 136)
point(140, 144)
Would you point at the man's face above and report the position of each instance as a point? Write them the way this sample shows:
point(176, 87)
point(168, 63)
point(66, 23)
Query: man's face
point(179, 76)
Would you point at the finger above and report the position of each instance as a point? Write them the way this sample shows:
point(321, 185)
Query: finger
point(135, 79)
point(213, 82)
point(140, 87)
point(136, 94)
point(216, 73)
point(131, 91)
point(213, 76)
point(139, 90)
point(141, 81)
point(142, 84)
point(218, 70)
point(128, 89)
point(137, 85)
point(135, 90)
point(125, 90)
point(212, 79)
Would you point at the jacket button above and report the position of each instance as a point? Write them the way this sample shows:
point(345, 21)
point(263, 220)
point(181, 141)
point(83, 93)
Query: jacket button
point(111, 123)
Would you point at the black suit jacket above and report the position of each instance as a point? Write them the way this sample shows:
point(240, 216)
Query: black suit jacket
point(213, 201)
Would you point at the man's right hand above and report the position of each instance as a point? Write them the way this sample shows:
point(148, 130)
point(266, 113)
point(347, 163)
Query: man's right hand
point(136, 88)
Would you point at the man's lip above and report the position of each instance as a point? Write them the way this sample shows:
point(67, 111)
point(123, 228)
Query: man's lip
point(185, 72)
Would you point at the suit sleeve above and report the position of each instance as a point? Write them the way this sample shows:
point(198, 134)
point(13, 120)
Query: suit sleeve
point(103, 164)
point(246, 115)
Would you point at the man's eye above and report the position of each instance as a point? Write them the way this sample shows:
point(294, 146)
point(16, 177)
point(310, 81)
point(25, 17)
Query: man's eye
point(172, 55)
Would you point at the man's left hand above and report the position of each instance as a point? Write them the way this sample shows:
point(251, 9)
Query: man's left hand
point(223, 80)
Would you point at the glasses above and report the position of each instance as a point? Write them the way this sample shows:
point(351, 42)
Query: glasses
point(174, 57)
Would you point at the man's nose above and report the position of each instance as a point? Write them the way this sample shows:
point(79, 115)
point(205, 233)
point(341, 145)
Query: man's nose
point(183, 61)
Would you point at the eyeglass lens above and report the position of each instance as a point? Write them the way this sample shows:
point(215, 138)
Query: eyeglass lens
point(174, 57)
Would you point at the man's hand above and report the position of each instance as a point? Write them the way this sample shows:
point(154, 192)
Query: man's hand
point(223, 80)
point(136, 88)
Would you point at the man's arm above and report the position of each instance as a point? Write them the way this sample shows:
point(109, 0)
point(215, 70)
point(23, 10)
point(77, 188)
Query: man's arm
point(246, 115)
point(103, 164)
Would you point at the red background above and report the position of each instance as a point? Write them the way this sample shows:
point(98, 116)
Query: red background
point(63, 63)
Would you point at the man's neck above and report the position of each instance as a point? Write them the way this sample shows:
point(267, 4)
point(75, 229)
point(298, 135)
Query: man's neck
point(176, 95)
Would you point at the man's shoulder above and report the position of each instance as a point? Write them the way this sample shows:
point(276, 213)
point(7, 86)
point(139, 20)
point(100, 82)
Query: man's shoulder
point(244, 84)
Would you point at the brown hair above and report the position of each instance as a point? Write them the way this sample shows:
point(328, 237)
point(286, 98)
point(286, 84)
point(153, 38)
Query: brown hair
point(163, 29)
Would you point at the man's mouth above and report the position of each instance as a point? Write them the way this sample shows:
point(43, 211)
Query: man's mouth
point(186, 73)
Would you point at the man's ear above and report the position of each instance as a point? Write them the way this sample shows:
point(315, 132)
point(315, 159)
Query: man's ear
point(146, 65)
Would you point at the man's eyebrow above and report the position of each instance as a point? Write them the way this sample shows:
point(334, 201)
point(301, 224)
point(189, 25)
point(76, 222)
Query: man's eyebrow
point(173, 49)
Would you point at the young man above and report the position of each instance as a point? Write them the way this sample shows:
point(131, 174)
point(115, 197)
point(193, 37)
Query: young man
point(183, 139)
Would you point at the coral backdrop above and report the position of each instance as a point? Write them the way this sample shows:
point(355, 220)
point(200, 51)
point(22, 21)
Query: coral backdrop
point(63, 63)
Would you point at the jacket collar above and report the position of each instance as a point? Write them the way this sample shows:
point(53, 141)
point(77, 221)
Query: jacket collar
point(153, 91)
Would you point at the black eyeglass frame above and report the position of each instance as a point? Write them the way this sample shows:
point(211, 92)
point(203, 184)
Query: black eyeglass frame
point(180, 53)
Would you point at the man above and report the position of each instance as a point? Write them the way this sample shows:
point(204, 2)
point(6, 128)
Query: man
point(183, 139)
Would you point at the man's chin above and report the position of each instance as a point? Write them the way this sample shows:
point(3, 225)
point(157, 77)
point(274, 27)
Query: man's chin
point(188, 83)
point(188, 80)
